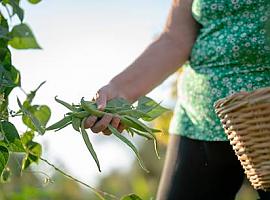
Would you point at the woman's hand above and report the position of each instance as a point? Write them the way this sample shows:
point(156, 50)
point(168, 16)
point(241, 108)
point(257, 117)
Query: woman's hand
point(103, 95)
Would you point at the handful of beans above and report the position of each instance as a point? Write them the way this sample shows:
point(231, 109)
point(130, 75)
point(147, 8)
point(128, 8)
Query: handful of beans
point(146, 109)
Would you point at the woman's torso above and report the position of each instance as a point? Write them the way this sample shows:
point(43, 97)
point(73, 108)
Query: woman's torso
point(230, 54)
point(233, 32)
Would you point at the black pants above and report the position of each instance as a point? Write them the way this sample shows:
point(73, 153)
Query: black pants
point(201, 170)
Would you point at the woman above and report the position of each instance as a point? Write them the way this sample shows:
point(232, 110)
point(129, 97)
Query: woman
point(223, 46)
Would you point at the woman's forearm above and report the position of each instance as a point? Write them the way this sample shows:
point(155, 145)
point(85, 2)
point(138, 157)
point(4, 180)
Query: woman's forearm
point(161, 58)
point(156, 63)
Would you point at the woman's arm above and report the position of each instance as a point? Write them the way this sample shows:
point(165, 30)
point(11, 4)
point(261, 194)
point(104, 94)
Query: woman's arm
point(160, 59)
point(163, 57)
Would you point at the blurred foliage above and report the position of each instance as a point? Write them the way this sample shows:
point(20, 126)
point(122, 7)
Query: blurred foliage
point(162, 123)
point(34, 185)
point(136, 180)
point(247, 192)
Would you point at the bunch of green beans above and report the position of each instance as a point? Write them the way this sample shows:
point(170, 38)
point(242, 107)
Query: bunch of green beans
point(146, 109)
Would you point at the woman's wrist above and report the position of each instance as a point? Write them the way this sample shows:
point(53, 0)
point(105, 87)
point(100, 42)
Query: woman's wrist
point(116, 90)
point(120, 90)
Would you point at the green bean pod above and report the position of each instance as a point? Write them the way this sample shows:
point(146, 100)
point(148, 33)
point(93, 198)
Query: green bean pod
point(125, 140)
point(91, 108)
point(81, 114)
point(67, 105)
point(64, 126)
point(76, 123)
point(60, 123)
point(146, 129)
point(135, 123)
point(129, 123)
point(143, 134)
point(89, 144)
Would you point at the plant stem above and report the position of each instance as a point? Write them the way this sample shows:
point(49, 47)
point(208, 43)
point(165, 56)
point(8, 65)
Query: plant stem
point(98, 192)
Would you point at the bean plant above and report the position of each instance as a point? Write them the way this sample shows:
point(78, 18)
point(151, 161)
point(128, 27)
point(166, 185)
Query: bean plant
point(35, 117)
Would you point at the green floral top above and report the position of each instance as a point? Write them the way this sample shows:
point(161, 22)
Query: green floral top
point(230, 55)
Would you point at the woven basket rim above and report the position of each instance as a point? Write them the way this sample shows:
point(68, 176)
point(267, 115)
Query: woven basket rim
point(241, 98)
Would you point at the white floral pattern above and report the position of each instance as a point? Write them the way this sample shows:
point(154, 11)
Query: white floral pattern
point(231, 54)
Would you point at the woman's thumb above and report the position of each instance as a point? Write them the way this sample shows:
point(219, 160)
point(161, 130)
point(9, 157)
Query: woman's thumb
point(101, 100)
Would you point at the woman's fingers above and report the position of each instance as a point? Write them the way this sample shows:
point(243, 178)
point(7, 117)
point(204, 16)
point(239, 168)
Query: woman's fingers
point(120, 128)
point(102, 124)
point(101, 99)
point(106, 132)
point(115, 121)
point(90, 121)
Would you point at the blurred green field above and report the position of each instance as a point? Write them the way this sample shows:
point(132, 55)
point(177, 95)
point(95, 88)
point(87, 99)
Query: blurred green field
point(31, 185)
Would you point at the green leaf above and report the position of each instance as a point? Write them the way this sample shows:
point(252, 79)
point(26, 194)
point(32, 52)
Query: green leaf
point(125, 140)
point(89, 144)
point(4, 155)
point(2, 99)
point(134, 113)
point(3, 32)
point(35, 122)
point(23, 38)
point(15, 76)
point(119, 103)
point(15, 4)
point(27, 137)
point(9, 78)
point(3, 107)
point(34, 1)
point(42, 113)
point(150, 107)
point(131, 197)
point(11, 137)
point(3, 54)
point(32, 94)
point(34, 151)
point(6, 61)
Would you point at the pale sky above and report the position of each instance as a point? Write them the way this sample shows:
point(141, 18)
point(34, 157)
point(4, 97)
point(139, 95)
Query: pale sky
point(85, 43)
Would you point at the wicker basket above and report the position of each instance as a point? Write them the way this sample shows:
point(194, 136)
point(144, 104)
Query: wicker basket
point(245, 117)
